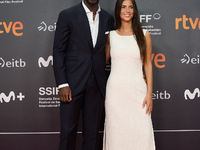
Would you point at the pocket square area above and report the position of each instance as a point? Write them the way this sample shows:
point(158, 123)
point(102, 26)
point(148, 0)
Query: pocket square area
point(107, 32)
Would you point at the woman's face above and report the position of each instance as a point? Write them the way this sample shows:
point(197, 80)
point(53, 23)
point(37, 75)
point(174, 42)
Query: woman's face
point(127, 11)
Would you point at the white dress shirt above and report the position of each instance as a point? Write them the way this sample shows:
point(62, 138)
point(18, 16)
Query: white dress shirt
point(94, 29)
point(94, 24)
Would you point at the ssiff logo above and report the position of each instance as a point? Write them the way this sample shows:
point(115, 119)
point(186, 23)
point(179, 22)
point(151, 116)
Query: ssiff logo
point(148, 23)
point(187, 23)
point(192, 95)
point(147, 18)
point(187, 59)
point(45, 63)
point(48, 91)
point(11, 96)
point(11, 1)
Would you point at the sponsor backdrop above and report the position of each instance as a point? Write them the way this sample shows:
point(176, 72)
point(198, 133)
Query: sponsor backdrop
point(29, 102)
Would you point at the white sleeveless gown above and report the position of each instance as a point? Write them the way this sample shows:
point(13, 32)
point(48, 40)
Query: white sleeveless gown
point(127, 127)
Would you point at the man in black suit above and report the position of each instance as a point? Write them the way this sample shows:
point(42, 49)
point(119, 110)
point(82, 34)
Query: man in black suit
point(79, 68)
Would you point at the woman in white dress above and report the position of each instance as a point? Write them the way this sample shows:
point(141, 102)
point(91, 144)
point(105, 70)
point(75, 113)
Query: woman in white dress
point(128, 103)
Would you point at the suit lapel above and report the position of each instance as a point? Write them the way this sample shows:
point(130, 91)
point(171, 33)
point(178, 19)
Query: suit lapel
point(83, 23)
point(102, 29)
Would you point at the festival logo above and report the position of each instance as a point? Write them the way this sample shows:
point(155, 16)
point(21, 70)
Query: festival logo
point(45, 63)
point(190, 60)
point(16, 28)
point(44, 27)
point(187, 23)
point(149, 23)
point(13, 63)
point(192, 95)
point(11, 97)
point(148, 18)
point(49, 97)
point(11, 1)
point(48, 91)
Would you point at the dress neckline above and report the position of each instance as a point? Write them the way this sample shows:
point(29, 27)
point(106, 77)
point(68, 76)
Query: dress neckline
point(124, 35)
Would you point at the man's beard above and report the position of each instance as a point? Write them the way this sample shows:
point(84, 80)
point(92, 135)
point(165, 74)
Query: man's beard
point(92, 4)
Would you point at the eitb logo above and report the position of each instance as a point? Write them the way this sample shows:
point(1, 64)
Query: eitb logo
point(190, 60)
point(45, 27)
point(12, 63)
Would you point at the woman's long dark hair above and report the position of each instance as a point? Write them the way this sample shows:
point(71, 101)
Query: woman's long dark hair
point(136, 25)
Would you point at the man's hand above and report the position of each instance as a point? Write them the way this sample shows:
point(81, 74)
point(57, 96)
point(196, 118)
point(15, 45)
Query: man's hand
point(65, 94)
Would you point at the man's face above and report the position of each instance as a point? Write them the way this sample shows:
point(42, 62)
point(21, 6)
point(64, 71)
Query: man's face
point(92, 2)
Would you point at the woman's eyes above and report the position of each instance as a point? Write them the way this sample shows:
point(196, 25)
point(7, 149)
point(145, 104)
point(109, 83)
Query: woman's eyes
point(130, 7)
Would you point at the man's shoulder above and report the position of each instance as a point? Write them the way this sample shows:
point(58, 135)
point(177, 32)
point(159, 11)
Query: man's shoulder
point(70, 9)
point(106, 13)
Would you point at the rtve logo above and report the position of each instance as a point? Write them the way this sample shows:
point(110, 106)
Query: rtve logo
point(12, 63)
point(45, 63)
point(11, 96)
point(187, 23)
point(44, 27)
point(16, 27)
point(147, 18)
point(187, 59)
point(158, 60)
point(192, 95)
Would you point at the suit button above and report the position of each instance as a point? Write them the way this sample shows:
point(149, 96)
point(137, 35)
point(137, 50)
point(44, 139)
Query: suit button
point(89, 67)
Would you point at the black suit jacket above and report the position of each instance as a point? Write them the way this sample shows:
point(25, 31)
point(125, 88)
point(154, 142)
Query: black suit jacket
point(73, 54)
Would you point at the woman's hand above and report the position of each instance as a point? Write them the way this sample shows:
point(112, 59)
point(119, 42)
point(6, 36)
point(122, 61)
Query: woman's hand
point(149, 75)
point(149, 104)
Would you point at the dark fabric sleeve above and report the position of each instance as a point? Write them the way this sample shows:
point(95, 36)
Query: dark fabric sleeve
point(59, 48)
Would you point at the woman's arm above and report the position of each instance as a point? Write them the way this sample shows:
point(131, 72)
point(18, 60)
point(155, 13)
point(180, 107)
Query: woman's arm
point(149, 74)
point(108, 49)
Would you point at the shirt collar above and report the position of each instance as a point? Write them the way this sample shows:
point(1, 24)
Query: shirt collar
point(87, 9)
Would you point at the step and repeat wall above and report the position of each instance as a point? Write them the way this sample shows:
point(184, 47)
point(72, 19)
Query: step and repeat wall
point(29, 102)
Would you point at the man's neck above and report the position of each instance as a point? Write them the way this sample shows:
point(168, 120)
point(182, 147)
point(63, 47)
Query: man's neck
point(92, 8)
